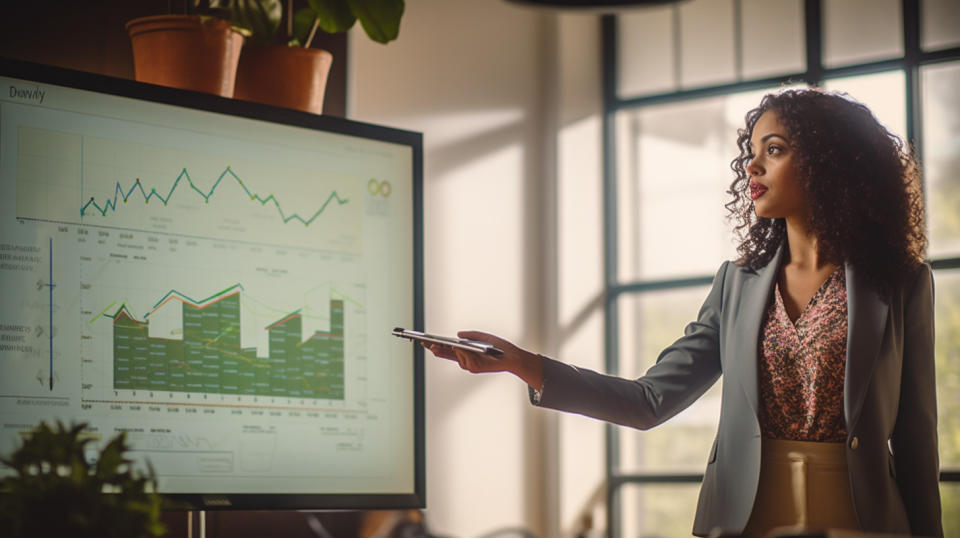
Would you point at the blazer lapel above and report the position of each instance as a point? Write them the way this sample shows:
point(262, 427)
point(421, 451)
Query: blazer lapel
point(866, 319)
point(753, 306)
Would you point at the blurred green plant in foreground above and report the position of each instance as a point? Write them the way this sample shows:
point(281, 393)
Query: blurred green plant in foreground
point(56, 491)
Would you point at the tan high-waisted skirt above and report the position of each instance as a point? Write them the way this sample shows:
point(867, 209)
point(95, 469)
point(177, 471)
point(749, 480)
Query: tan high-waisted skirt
point(803, 485)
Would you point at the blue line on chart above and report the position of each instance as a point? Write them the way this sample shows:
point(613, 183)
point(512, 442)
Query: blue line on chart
point(50, 285)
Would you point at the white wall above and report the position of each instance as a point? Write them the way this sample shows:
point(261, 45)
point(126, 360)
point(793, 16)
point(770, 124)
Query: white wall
point(499, 92)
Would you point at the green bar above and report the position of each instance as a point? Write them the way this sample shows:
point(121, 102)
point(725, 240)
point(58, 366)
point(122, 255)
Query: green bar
point(284, 354)
point(209, 359)
point(193, 349)
point(157, 352)
point(310, 367)
point(176, 366)
point(247, 371)
point(228, 344)
point(126, 332)
point(262, 373)
point(336, 349)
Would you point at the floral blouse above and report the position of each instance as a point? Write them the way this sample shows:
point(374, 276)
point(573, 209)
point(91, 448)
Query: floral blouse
point(802, 365)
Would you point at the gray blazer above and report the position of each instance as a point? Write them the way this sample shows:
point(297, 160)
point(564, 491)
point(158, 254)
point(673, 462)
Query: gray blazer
point(889, 399)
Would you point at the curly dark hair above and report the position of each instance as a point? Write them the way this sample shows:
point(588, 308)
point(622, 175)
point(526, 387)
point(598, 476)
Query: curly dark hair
point(861, 182)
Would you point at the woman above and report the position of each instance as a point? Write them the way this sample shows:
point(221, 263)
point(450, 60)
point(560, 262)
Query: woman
point(823, 329)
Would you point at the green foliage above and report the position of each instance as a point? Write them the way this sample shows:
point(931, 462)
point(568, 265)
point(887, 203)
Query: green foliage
point(263, 19)
point(260, 17)
point(56, 491)
point(380, 18)
point(207, 8)
point(334, 16)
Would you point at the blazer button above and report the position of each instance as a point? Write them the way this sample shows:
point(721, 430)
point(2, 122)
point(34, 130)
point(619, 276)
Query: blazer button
point(854, 443)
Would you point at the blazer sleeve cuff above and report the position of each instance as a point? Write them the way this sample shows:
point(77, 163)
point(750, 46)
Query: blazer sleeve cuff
point(555, 377)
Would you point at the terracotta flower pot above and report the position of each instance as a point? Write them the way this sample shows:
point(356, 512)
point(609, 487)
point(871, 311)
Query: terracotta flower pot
point(291, 77)
point(186, 51)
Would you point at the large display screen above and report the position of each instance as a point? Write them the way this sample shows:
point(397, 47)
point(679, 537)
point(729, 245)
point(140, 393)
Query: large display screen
point(218, 280)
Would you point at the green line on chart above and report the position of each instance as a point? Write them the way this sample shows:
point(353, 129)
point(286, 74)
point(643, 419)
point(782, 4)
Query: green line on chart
point(118, 193)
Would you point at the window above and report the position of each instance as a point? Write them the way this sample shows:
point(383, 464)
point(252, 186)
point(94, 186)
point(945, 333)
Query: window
point(941, 155)
point(679, 80)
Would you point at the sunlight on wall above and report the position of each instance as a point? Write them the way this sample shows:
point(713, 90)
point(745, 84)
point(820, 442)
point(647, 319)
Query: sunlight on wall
point(579, 288)
point(473, 238)
point(579, 224)
point(463, 126)
point(582, 454)
point(472, 233)
point(472, 454)
point(580, 307)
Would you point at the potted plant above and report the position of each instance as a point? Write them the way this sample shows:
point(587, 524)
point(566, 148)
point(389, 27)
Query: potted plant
point(57, 491)
point(198, 50)
point(277, 65)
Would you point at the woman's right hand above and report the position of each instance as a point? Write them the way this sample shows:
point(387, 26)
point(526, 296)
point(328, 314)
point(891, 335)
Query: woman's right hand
point(525, 365)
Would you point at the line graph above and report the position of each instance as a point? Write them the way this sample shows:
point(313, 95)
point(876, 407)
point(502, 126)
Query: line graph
point(188, 189)
point(111, 204)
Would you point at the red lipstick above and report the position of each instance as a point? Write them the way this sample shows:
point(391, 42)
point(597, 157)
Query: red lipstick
point(756, 190)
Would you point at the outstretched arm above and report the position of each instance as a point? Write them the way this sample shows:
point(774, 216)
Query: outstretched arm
point(684, 371)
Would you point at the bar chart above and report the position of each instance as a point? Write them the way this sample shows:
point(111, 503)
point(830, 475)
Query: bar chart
point(209, 358)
